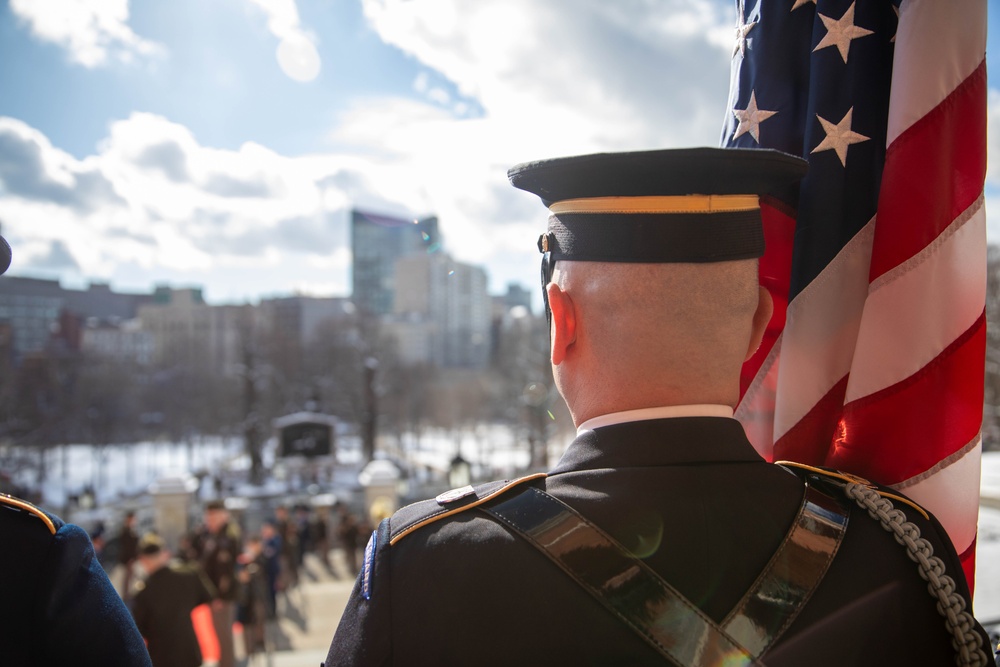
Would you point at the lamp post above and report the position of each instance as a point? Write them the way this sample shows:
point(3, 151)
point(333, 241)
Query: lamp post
point(370, 418)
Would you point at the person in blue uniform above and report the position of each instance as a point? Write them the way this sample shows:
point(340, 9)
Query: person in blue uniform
point(661, 536)
point(59, 608)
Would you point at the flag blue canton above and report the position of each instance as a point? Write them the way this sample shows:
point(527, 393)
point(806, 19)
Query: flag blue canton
point(813, 79)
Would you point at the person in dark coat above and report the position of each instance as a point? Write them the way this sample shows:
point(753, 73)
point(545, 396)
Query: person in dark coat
point(320, 535)
point(59, 608)
point(303, 533)
point(254, 595)
point(216, 546)
point(289, 547)
point(128, 552)
point(348, 533)
point(271, 549)
point(163, 604)
point(57, 605)
point(661, 536)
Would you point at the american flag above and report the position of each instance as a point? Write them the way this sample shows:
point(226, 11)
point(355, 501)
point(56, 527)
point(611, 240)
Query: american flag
point(874, 360)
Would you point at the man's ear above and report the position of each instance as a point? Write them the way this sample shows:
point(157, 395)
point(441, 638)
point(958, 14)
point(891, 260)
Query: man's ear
point(765, 307)
point(563, 332)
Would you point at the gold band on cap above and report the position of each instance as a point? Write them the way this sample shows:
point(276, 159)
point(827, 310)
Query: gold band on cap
point(658, 204)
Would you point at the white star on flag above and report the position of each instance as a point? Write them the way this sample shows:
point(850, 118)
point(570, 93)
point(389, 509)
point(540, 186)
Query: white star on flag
point(751, 118)
point(801, 3)
point(839, 136)
point(742, 30)
point(841, 32)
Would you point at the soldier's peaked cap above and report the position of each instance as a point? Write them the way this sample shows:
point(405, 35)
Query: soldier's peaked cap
point(675, 205)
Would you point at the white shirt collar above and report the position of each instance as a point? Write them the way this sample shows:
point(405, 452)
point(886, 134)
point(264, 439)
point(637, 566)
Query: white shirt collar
point(701, 410)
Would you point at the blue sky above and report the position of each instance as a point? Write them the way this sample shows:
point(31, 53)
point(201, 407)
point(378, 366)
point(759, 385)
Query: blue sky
point(220, 143)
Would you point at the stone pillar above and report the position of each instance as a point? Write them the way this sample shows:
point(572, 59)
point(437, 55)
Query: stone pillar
point(172, 498)
point(380, 480)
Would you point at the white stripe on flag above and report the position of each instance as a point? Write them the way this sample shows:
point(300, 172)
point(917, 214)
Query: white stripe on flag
point(924, 74)
point(951, 492)
point(920, 308)
point(821, 326)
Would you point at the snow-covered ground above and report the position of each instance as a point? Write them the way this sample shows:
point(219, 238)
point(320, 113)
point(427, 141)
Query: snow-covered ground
point(115, 472)
point(987, 596)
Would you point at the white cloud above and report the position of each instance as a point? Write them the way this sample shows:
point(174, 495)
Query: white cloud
point(588, 73)
point(30, 167)
point(296, 53)
point(992, 223)
point(168, 204)
point(436, 94)
point(92, 31)
point(252, 221)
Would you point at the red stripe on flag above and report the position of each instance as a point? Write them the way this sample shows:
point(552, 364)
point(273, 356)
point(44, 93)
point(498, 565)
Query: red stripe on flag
point(809, 441)
point(933, 172)
point(775, 276)
point(968, 558)
point(910, 427)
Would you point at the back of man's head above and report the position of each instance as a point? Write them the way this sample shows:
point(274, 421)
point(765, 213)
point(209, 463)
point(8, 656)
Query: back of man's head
point(647, 335)
point(650, 274)
point(153, 553)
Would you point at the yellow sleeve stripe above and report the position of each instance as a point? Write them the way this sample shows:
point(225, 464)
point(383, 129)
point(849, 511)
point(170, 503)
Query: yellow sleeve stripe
point(658, 204)
point(28, 507)
point(438, 517)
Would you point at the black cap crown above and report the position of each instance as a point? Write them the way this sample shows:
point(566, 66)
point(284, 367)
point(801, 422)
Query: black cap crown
point(678, 205)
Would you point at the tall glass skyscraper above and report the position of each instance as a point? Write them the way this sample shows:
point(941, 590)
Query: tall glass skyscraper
point(377, 241)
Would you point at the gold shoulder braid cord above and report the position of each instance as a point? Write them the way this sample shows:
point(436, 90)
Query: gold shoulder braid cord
point(968, 644)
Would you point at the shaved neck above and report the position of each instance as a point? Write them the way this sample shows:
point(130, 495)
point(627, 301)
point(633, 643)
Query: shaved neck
point(649, 335)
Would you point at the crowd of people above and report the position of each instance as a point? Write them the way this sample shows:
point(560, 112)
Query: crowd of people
point(243, 576)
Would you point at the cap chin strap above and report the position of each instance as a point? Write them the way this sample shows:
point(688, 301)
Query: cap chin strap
point(548, 266)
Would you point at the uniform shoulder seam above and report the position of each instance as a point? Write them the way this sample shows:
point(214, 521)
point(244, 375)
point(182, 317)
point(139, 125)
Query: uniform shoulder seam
point(446, 511)
point(25, 506)
point(848, 478)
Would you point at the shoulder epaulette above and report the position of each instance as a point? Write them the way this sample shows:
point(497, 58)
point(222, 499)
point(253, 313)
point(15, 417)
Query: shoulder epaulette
point(848, 478)
point(426, 512)
point(25, 506)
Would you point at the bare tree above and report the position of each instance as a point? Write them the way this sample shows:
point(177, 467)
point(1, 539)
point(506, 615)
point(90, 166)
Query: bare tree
point(526, 395)
point(105, 405)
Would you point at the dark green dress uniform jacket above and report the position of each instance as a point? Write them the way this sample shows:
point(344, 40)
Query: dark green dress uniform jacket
point(162, 610)
point(691, 497)
point(57, 606)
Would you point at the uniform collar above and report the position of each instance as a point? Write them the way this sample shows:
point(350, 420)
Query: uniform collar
point(663, 412)
point(659, 442)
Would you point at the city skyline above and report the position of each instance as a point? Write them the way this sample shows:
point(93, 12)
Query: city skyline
point(103, 287)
